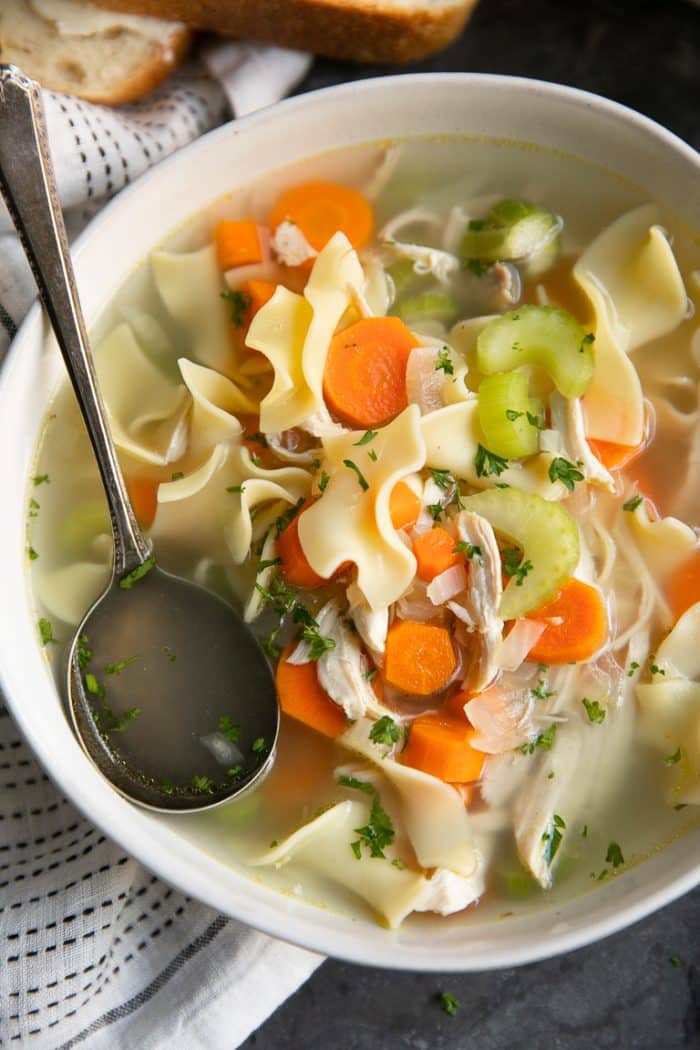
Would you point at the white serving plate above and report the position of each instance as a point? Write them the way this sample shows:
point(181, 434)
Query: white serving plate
point(140, 218)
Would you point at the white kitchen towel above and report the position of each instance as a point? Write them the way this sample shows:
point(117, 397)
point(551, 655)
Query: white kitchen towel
point(95, 952)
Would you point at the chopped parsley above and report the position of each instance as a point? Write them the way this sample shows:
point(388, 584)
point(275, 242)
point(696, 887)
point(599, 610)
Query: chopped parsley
point(513, 564)
point(398, 863)
point(534, 421)
point(202, 785)
point(34, 508)
point(259, 745)
point(32, 554)
point(287, 517)
point(93, 686)
point(512, 415)
point(563, 470)
point(119, 667)
point(672, 760)
point(266, 563)
point(442, 478)
point(675, 961)
point(170, 654)
point(379, 832)
point(385, 731)
point(444, 362)
point(258, 438)
point(472, 550)
point(488, 463)
point(633, 503)
point(45, 631)
point(449, 1004)
point(680, 805)
point(584, 832)
point(118, 725)
point(228, 728)
point(270, 643)
point(83, 655)
point(540, 692)
point(166, 786)
point(317, 642)
point(545, 741)
point(634, 666)
point(595, 712)
point(553, 838)
point(369, 435)
point(323, 481)
point(235, 488)
point(586, 341)
point(371, 674)
point(239, 302)
point(372, 455)
point(177, 476)
point(654, 667)
point(475, 266)
point(128, 581)
point(614, 855)
point(234, 771)
point(435, 510)
point(41, 479)
point(364, 484)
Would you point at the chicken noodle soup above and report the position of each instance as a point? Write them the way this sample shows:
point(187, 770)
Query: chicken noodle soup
point(429, 413)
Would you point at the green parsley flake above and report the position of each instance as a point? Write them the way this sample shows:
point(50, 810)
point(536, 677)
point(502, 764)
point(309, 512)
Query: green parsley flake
point(177, 476)
point(654, 667)
point(32, 554)
point(229, 728)
point(475, 266)
point(170, 654)
point(634, 666)
point(471, 550)
point(442, 478)
point(449, 1004)
point(202, 785)
point(672, 760)
point(258, 438)
point(258, 745)
point(83, 655)
point(584, 832)
point(586, 341)
point(45, 631)
point(287, 517)
point(385, 731)
point(235, 488)
point(540, 692)
point(444, 362)
point(371, 674)
point(563, 470)
point(534, 421)
point(680, 805)
point(614, 855)
point(119, 667)
point(369, 435)
point(553, 838)
point(234, 771)
point(166, 786)
point(128, 581)
point(512, 415)
point(266, 563)
point(675, 961)
point(318, 643)
point(379, 832)
point(239, 302)
point(364, 484)
point(595, 712)
point(119, 724)
point(93, 686)
point(435, 510)
point(323, 481)
point(488, 463)
point(41, 479)
point(398, 863)
point(544, 741)
point(513, 565)
point(633, 503)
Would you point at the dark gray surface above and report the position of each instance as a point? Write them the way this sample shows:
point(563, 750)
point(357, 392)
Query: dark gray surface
point(623, 992)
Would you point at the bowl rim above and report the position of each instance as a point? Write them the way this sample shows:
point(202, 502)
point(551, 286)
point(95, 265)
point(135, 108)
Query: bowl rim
point(271, 918)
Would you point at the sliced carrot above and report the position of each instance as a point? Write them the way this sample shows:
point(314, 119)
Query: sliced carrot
point(295, 565)
point(435, 553)
point(442, 747)
point(144, 499)
point(614, 456)
point(364, 381)
point(577, 625)
point(321, 209)
point(258, 293)
point(683, 586)
point(420, 658)
point(237, 243)
point(302, 697)
point(404, 506)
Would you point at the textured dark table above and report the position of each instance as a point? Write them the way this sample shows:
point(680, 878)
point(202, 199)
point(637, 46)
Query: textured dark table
point(623, 992)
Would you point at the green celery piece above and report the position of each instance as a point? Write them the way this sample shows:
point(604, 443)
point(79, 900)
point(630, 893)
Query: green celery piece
point(538, 335)
point(430, 306)
point(547, 535)
point(518, 231)
point(402, 274)
point(498, 395)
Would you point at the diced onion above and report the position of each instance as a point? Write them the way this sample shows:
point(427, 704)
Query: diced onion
point(447, 584)
point(518, 642)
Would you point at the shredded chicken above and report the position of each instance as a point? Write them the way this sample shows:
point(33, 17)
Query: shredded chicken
point(482, 597)
point(424, 381)
point(567, 418)
point(290, 245)
point(371, 626)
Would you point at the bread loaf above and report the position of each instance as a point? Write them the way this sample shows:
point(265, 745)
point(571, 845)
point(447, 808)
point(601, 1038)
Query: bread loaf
point(72, 47)
point(362, 30)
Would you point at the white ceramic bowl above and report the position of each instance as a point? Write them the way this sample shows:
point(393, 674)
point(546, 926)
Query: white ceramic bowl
point(141, 217)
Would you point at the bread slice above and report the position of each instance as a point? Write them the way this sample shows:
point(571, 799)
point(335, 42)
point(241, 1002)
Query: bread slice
point(71, 47)
point(363, 30)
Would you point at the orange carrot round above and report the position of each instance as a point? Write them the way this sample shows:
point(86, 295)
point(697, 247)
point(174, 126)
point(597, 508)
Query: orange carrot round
point(364, 381)
point(144, 499)
point(420, 658)
point(683, 586)
point(258, 292)
point(302, 697)
point(614, 456)
point(321, 209)
point(577, 625)
point(295, 565)
point(442, 747)
point(237, 243)
point(404, 506)
point(435, 553)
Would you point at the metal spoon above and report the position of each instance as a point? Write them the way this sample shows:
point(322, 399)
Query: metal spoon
point(170, 695)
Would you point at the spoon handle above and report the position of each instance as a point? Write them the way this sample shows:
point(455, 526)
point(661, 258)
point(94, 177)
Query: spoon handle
point(28, 185)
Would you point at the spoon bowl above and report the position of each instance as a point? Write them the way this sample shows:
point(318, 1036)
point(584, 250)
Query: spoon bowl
point(170, 695)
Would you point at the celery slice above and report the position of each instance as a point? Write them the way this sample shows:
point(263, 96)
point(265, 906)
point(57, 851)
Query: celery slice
point(508, 416)
point(402, 274)
point(547, 535)
point(515, 230)
point(430, 306)
point(539, 335)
